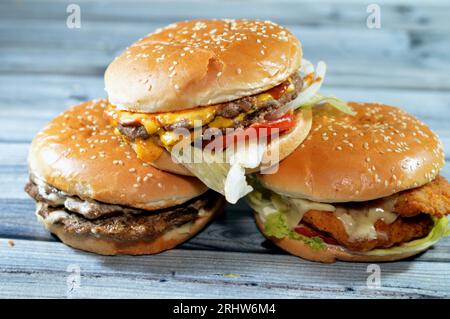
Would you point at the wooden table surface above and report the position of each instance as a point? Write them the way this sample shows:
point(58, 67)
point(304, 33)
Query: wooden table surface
point(46, 67)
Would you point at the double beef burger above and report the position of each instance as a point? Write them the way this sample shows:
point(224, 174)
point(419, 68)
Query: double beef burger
point(211, 74)
point(95, 194)
point(360, 188)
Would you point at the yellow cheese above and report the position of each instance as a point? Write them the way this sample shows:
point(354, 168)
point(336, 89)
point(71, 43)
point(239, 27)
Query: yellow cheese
point(264, 97)
point(169, 138)
point(203, 114)
point(150, 124)
point(156, 123)
point(221, 122)
point(290, 88)
point(147, 150)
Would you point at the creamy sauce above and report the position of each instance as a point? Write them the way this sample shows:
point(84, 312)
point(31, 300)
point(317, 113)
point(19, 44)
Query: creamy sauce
point(56, 198)
point(301, 207)
point(183, 230)
point(56, 216)
point(360, 223)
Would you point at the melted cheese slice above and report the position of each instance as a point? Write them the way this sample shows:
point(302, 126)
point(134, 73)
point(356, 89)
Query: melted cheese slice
point(157, 123)
point(147, 150)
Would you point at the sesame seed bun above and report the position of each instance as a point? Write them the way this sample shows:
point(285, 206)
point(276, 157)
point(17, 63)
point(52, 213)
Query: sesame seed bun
point(380, 151)
point(330, 253)
point(201, 62)
point(78, 153)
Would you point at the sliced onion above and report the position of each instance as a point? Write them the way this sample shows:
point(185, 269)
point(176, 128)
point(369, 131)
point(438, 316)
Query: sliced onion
point(311, 86)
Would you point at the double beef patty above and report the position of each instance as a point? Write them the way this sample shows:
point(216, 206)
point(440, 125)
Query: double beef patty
point(113, 221)
point(229, 110)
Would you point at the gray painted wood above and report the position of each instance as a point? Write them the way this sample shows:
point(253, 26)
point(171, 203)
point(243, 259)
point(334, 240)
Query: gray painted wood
point(414, 54)
point(45, 68)
point(183, 273)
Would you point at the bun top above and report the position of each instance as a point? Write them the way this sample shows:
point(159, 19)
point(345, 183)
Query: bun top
point(79, 154)
point(201, 62)
point(380, 151)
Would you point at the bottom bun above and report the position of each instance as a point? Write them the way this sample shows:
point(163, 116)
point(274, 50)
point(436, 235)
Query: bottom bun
point(330, 254)
point(107, 246)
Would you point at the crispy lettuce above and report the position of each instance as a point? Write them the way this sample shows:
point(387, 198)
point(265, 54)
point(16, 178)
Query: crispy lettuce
point(275, 222)
point(330, 100)
point(276, 226)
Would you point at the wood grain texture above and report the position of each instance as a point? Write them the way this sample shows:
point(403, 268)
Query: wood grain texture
point(183, 273)
point(46, 67)
point(87, 51)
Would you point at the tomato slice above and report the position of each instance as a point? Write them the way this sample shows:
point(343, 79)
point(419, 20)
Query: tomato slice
point(309, 232)
point(269, 128)
point(283, 123)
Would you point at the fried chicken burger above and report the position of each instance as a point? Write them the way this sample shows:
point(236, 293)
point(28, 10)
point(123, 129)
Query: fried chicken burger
point(360, 188)
point(217, 76)
point(95, 194)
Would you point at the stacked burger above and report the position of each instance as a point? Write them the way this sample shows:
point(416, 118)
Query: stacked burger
point(232, 105)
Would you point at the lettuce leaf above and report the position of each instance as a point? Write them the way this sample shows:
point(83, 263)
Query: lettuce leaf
point(222, 174)
point(330, 100)
point(275, 222)
point(276, 226)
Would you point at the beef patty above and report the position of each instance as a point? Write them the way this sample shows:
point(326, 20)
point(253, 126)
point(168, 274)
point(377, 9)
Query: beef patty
point(229, 110)
point(113, 221)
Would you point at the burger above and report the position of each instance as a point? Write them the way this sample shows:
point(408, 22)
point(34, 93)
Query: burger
point(222, 79)
point(93, 193)
point(360, 188)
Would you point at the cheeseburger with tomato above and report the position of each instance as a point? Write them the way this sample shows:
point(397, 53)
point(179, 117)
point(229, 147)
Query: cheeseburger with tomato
point(359, 188)
point(213, 74)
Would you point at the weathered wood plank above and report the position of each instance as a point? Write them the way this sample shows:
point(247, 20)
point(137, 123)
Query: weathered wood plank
point(181, 273)
point(398, 14)
point(413, 55)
